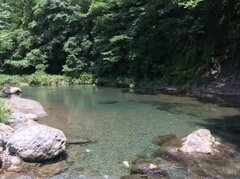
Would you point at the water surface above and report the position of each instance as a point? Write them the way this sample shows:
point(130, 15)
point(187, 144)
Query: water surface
point(122, 124)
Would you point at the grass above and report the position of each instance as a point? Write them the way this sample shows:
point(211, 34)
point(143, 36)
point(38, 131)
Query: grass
point(43, 79)
point(5, 112)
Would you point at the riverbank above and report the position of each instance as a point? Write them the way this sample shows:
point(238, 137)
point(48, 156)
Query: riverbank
point(26, 144)
point(43, 79)
point(208, 89)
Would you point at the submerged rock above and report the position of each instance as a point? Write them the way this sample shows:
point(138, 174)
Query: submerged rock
point(37, 143)
point(17, 175)
point(160, 140)
point(8, 90)
point(147, 168)
point(108, 102)
point(80, 141)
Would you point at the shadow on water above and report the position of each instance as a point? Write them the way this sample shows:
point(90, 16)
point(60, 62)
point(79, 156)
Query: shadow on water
point(176, 108)
point(107, 102)
point(226, 128)
point(155, 91)
point(223, 101)
point(141, 91)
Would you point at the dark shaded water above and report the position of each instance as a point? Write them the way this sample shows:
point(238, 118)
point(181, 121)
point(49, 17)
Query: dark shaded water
point(123, 124)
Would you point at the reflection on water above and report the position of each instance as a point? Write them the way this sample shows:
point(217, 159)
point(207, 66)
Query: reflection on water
point(123, 124)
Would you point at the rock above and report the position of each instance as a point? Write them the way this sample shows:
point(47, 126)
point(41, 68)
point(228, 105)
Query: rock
point(9, 162)
point(196, 156)
point(17, 118)
point(5, 132)
point(46, 170)
point(142, 176)
point(37, 143)
point(14, 169)
point(15, 160)
point(147, 168)
point(17, 175)
point(126, 164)
point(27, 106)
point(137, 176)
point(21, 120)
point(1, 163)
point(200, 141)
point(31, 117)
point(10, 90)
point(160, 140)
point(80, 141)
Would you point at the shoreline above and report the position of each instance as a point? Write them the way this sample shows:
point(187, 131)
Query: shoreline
point(27, 143)
point(203, 89)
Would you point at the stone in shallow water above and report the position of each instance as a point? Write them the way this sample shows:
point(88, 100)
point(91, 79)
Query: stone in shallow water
point(16, 175)
point(11, 90)
point(147, 168)
point(37, 143)
point(196, 161)
point(107, 102)
point(160, 140)
point(44, 171)
point(200, 141)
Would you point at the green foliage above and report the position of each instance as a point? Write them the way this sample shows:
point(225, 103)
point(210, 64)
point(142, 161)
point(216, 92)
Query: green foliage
point(12, 80)
point(43, 79)
point(189, 3)
point(171, 41)
point(38, 59)
point(77, 49)
point(84, 78)
point(5, 112)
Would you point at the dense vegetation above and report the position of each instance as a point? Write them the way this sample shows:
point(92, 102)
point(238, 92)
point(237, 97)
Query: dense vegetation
point(4, 111)
point(173, 41)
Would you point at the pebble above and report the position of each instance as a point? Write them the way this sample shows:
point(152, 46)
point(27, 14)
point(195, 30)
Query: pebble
point(126, 164)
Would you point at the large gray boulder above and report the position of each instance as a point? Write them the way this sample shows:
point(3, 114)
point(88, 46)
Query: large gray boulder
point(37, 143)
point(9, 90)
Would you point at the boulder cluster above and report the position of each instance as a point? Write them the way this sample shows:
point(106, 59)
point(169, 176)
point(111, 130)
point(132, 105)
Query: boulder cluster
point(23, 139)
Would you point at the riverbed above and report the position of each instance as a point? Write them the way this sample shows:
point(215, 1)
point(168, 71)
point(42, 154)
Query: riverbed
point(121, 124)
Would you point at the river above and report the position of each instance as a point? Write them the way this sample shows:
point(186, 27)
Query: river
point(122, 124)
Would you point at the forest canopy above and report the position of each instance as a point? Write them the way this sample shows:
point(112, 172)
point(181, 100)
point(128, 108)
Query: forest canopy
point(171, 40)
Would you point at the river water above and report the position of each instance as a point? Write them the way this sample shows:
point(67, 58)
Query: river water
point(122, 124)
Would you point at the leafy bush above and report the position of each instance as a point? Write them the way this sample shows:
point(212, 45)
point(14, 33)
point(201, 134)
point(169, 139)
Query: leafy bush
point(41, 78)
point(5, 112)
point(84, 78)
point(13, 79)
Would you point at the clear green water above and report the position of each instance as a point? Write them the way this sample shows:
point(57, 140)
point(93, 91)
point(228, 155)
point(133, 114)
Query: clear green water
point(123, 124)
